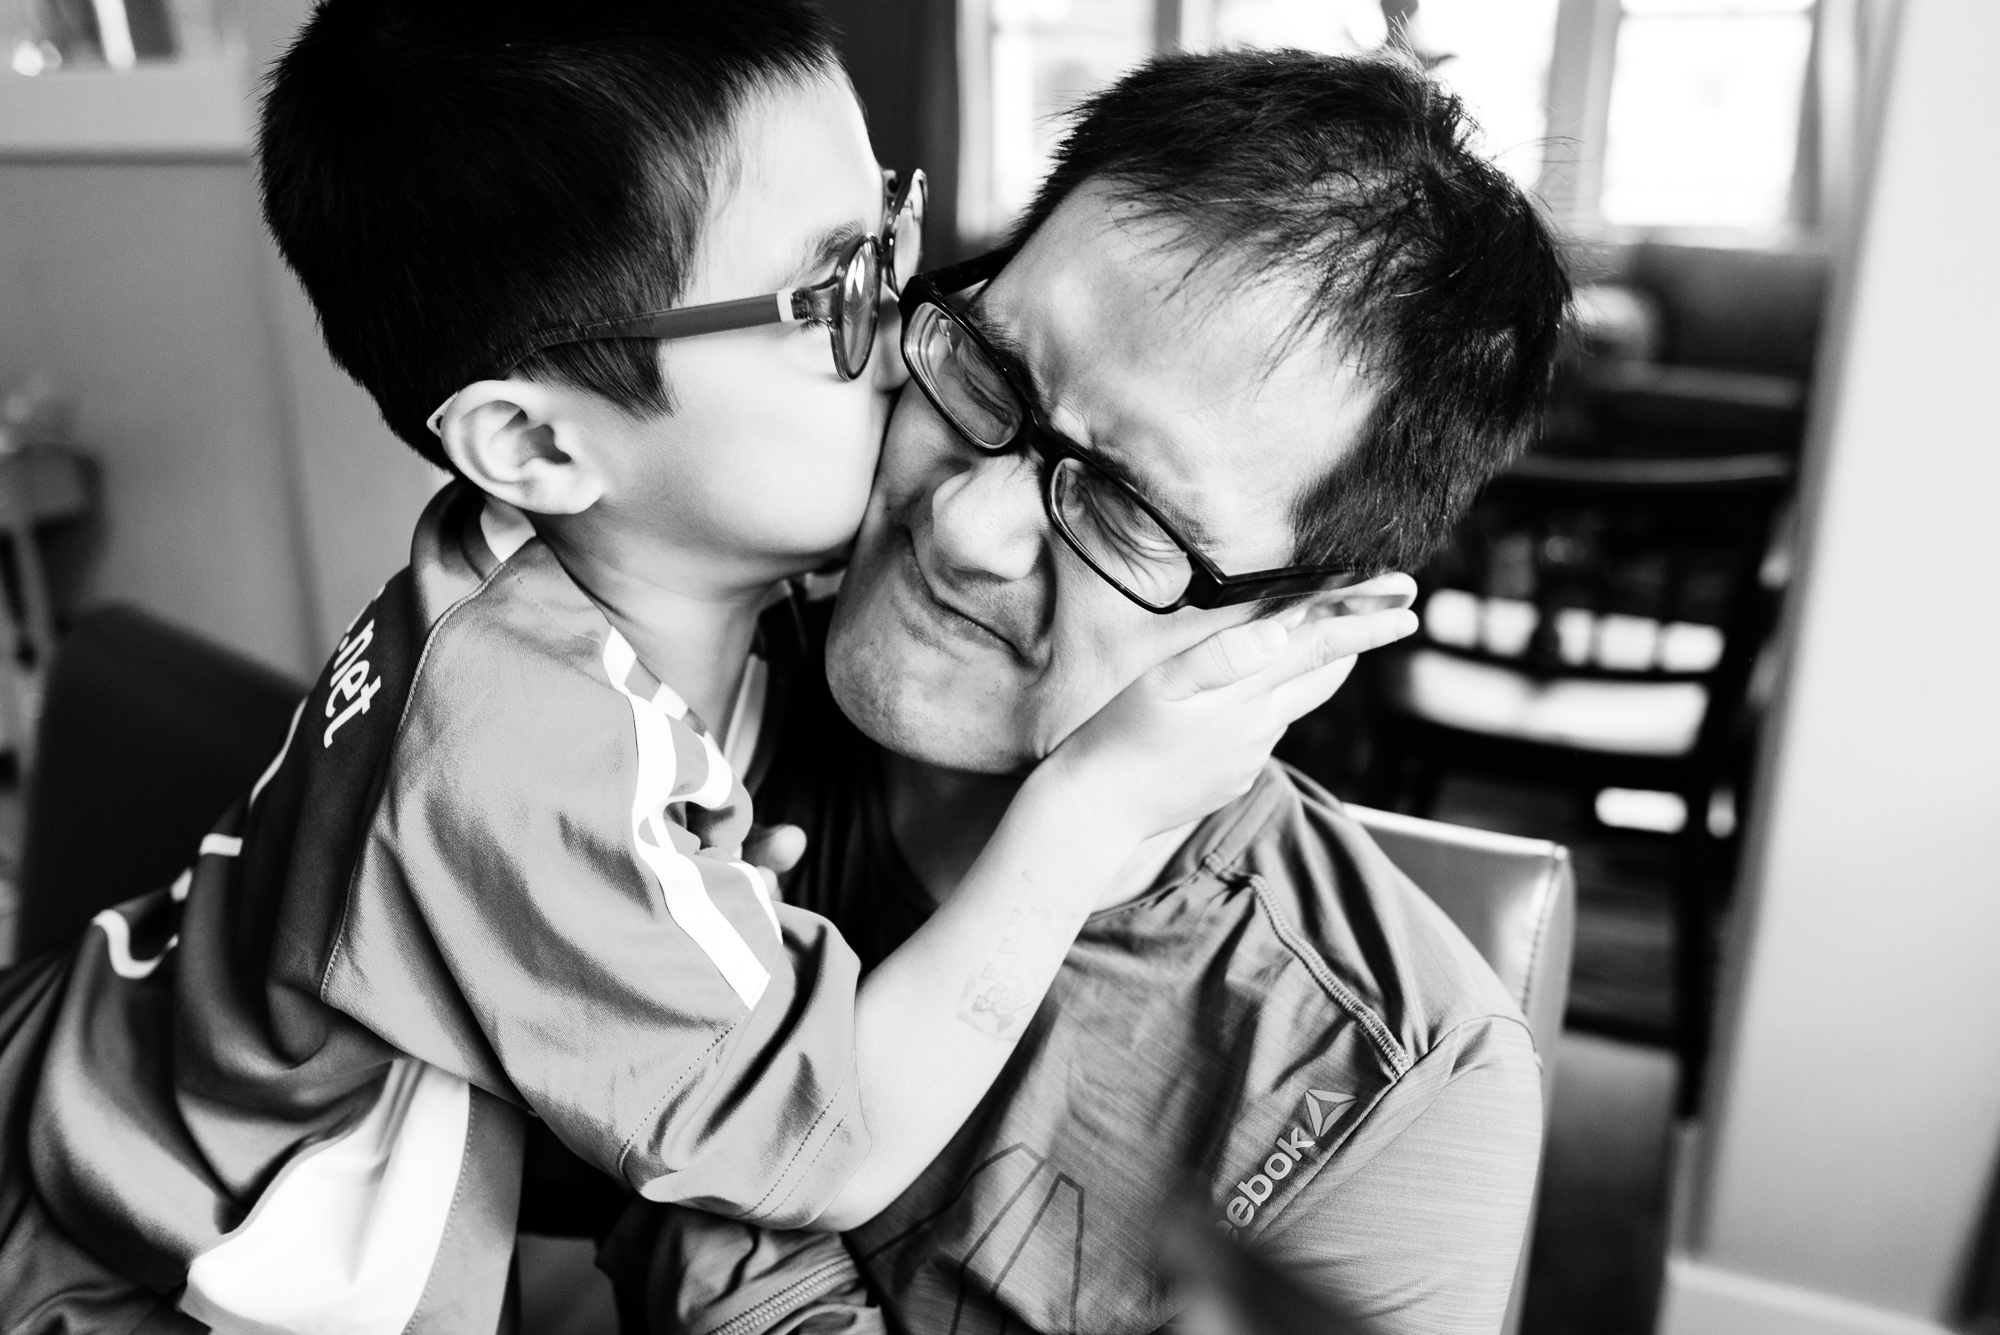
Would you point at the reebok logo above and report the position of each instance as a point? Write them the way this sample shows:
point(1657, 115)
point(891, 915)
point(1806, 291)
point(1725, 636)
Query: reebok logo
point(1322, 1108)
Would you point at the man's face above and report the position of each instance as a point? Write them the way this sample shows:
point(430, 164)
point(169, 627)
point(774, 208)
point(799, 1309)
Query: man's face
point(968, 634)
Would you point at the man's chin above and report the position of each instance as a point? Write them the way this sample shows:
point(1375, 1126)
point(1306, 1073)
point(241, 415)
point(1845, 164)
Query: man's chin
point(909, 698)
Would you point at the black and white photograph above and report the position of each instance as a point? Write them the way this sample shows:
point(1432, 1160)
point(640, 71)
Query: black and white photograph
point(999, 667)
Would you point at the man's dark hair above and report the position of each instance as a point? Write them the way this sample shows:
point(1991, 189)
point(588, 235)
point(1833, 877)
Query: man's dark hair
point(449, 177)
point(1352, 180)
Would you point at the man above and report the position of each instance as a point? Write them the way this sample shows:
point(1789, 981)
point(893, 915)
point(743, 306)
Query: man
point(1269, 319)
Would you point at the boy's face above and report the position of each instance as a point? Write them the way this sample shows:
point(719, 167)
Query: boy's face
point(763, 468)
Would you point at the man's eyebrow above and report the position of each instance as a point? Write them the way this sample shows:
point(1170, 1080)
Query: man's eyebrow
point(1004, 341)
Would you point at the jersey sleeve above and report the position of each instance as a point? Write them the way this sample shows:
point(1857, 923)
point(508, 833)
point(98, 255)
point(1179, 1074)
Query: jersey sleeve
point(1425, 1232)
point(566, 854)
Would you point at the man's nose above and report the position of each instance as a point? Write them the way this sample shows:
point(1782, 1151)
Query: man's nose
point(885, 364)
point(987, 518)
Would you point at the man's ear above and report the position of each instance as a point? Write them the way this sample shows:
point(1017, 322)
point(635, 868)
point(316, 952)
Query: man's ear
point(507, 438)
point(1383, 593)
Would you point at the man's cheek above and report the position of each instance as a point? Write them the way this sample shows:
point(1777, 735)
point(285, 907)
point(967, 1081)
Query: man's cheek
point(1076, 686)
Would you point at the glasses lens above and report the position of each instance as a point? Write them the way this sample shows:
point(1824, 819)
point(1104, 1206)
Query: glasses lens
point(906, 235)
point(961, 380)
point(854, 326)
point(1118, 535)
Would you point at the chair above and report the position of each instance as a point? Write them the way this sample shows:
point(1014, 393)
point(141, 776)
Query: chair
point(1515, 900)
point(1595, 627)
point(148, 733)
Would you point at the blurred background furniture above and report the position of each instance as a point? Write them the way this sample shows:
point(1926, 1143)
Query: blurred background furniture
point(1594, 629)
point(40, 484)
point(147, 736)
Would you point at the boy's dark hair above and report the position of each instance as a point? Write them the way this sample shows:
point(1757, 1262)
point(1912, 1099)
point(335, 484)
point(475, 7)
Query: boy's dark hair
point(448, 177)
point(1351, 179)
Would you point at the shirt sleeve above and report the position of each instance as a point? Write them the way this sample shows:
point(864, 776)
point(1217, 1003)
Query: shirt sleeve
point(568, 856)
point(1425, 1234)
point(680, 1272)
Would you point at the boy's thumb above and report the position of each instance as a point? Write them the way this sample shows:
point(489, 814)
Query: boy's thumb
point(775, 848)
point(1224, 657)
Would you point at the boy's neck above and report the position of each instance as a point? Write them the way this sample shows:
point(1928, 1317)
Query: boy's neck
point(693, 633)
point(942, 819)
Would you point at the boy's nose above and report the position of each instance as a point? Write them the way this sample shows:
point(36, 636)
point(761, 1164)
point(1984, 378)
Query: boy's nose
point(885, 364)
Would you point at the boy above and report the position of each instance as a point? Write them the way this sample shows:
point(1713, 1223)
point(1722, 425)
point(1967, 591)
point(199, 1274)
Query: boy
point(496, 870)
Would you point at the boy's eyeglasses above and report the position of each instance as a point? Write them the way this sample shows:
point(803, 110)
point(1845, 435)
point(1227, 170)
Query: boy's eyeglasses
point(847, 303)
point(1117, 532)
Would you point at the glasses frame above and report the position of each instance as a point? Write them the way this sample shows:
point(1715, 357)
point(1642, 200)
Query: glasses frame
point(794, 305)
point(1207, 586)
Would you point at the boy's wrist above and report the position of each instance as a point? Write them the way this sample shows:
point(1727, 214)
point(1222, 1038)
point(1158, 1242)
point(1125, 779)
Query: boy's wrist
point(1065, 798)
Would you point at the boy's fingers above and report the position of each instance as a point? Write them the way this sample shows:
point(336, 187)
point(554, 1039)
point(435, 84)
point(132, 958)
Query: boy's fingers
point(1330, 639)
point(1306, 692)
point(1224, 657)
point(776, 847)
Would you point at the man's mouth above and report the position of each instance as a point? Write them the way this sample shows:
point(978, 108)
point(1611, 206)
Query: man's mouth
point(953, 619)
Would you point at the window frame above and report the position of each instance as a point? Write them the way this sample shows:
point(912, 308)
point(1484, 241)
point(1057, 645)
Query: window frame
point(1581, 68)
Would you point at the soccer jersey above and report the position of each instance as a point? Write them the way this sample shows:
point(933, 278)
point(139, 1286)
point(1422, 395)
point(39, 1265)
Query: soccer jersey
point(493, 875)
point(1283, 1027)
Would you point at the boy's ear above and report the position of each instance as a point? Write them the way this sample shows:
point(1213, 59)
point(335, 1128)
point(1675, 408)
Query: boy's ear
point(505, 437)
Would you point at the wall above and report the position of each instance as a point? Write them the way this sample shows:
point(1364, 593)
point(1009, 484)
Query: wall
point(129, 284)
point(1853, 1125)
point(361, 489)
point(251, 493)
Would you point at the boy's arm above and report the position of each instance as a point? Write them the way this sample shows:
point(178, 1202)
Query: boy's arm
point(536, 914)
point(939, 1017)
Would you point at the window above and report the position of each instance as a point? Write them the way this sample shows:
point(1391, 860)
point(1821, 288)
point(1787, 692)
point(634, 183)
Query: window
point(1042, 57)
point(122, 78)
point(1669, 113)
point(46, 36)
point(1703, 125)
point(1028, 61)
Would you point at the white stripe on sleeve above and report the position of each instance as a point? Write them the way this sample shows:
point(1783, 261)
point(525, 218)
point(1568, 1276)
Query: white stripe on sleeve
point(343, 1240)
point(118, 946)
point(681, 886)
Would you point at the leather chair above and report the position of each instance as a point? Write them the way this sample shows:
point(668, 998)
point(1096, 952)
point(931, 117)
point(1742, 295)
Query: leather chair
point(147, 734)
point(1515, 900)
point(150, 733)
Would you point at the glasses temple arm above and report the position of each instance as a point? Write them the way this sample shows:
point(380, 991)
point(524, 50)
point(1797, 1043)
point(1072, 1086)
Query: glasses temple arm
point(791, 306)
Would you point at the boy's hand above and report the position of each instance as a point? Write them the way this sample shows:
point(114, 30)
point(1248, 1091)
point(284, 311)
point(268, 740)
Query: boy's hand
point(1191, 735)
point(774, 850)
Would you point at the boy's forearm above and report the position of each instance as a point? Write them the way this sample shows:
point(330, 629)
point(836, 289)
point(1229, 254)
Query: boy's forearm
point(935, 1021)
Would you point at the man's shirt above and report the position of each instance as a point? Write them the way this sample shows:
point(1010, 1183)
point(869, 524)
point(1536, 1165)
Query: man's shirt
point(494, 873)
point(1283, 1026)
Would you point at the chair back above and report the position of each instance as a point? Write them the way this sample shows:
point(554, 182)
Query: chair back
point(1617, 569)
point(1515, 900)
point(147, 734)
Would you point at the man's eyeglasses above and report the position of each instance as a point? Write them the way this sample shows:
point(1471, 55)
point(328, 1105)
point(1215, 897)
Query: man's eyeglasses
point(1118, 533)
point(848, 303)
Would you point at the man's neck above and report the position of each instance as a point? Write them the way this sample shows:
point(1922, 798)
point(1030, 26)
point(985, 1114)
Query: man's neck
point(942, 819)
